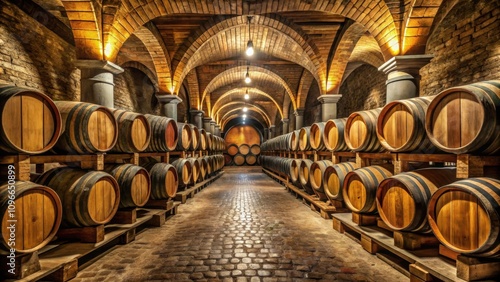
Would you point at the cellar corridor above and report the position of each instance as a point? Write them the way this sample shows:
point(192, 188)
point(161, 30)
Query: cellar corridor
point(243, 227)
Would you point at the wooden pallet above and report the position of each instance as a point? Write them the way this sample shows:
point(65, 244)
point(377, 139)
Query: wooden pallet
point(325, 209)
point(60, 260)
point(182, 196)
point(420, 265)
point(467, 165)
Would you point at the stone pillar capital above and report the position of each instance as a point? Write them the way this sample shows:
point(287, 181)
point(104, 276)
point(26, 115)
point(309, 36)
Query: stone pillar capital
point(299, 112)
point(212, 122)
point(168, 98)
point(329, 98)
point(408, 63)
point(196, 112)
point(207, 119)
point(285, 120)
point(100, 65)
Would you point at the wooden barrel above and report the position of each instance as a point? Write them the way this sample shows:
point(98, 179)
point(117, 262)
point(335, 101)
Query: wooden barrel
point(304, 175)
point(360, 131)
point(465, 216)
point(466, 119)
point(164, 134)
point(164, 178)
point(255, 149)
point(209, 141)
point(333, 179)
point(195, 137)
point(134, 183)
point(37, 210)
point(210, 167)
point(203, 168)
point(304, 142)
point(360, 187)
point(294, 171)
point(250, 159)
point(244, 149)
point(232, 149)
point(184, 170)
point(294, 140)
point(402, 199)
point(203, 139)
point(316, 136)
point(317, 171)
point(30, 123)
point(88, 197)
point(88, 128)
point(185, 136)
point(228, 159)
point(333, 135)
point(239, 159)
point(401, 126)
point(195, 170)
point(135, 132)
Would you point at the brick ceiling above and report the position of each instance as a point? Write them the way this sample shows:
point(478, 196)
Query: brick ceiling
point(201, 44)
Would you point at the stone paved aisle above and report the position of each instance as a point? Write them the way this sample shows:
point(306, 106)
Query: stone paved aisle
point(244, 227)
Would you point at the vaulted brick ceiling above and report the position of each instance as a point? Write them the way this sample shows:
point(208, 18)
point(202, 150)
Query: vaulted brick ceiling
point(201, 44)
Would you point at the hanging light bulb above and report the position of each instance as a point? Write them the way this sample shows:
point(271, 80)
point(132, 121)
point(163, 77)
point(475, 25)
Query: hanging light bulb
point(244, 116)
point(245, 109)
point(246, 95)
point(247, 77)
point(250, 51)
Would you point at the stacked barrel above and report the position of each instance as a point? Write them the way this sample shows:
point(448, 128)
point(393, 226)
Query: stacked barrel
point(459, 120)
point(73, 197)
point(242, 154)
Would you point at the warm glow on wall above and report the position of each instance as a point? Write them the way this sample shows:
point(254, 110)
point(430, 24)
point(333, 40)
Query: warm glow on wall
point(394, 45)
point(108, 50)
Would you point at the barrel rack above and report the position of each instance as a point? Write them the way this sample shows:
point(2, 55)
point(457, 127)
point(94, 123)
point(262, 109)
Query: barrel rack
point(60, 259)
point(419, 257)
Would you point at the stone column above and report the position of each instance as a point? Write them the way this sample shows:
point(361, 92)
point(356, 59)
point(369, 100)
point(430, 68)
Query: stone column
point(217, 130)
point(206, 124)
point(212, 127)
point(272, 131)
point(197, 118)
point(169, 105)
point(266, 134)
point(97, 81)
point(285, 125)
point(299, 118)
point(329, 106)
point(403, 77)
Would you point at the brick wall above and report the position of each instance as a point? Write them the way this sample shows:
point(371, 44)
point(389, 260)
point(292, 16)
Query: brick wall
point(33, 56)
point(312, 112)
point(466, 47)
point(364, 89)
point(135, 92)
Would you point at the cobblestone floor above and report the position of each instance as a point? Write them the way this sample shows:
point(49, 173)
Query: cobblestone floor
point(244, 227)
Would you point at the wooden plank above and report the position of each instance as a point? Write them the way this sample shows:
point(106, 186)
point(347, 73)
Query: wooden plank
point(90, 234)
point(419, 273)
point(66, 272)
point(469, 268)
point(414, 241)
point(447, 252)
point(369, 245)
point(364, 219)
point(125, 216)
point(24, 265)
